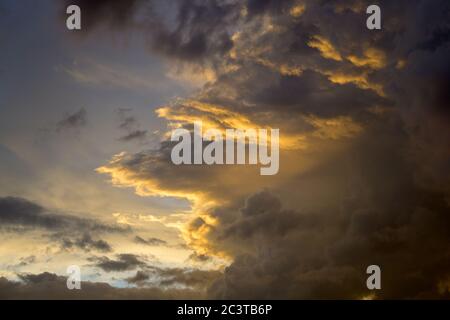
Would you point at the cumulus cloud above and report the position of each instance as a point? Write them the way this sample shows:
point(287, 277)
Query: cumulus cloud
point(289, 254)
point(364, 175)
point(183, 30)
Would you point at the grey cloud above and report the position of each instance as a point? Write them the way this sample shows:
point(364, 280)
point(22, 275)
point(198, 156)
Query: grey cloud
point(73, 121)
point(316, 95)
point(168, 277)
point(150, 241)
point(21, 213)
point(139, 277)
point(256, 7)
point(131, 126)
point(183, 30)
point(384, 220)
point(51, 286)
point(134, 135)
point(149, 275)
point(114, 13)
point(199, 257)
point(200, 32)
point(381, 197)
point(24, 261)
point(127, 122)
point(124, 262)
point(194, 278)
point(86, 243)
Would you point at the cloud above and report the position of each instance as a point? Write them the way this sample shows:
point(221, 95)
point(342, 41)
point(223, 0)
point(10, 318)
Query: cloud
point(327, 50)
point(177, 29)
point(116, 14)
point(150, 241)
point(356, 186)
point(73, 121)
point(124, 262)
point(139, 277)
point(86, 243)
point(135, 135)
point(200, 258)
point(324, 255)
point(22, 213)
point(51, 286)
point(25, 261)
point(191, 278)
point(131, 126)
point(195, 279)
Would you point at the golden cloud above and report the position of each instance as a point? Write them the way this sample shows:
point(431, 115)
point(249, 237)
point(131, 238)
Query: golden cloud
point(325, 47)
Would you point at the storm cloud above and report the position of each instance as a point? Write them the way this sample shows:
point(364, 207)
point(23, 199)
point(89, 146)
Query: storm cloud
point(364, 160)
point(189, 31)
point(364, 176)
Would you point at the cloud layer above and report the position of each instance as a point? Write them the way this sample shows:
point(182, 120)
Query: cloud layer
point(355, 108)
point(364, 165)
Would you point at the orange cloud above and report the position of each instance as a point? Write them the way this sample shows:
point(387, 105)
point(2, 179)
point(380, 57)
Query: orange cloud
point(326, 48)
point(372, 58)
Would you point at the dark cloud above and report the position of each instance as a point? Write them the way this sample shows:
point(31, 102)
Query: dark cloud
point(193, 278)
point(139, 277)
point(199, 257)
point(131, 126)
point(114, 13)
point(335, 99)
point(134, 135)
point(21, 213)
point(156, 166)
point(51, 286)
point(377, 197)
point(86, 243)
point(73, 121)
point(387, 220)
point(261, 6)
point(124, 262)
point(169, 277)
point(188, 31)
point(200, 31)
point(150, 241)
point(149, 275)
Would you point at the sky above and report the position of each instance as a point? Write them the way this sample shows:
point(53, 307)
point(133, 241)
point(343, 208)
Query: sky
point(87, 179)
